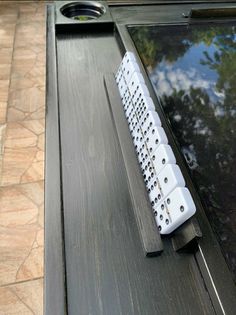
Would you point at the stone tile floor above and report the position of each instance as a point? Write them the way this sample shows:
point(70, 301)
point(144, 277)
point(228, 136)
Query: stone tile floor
point(22, 113)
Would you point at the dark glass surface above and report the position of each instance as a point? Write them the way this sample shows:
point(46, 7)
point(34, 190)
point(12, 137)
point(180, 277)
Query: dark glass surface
point(193, 71)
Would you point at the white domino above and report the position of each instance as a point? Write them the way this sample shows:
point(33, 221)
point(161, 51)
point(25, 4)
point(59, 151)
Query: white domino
point(144, 105)
point(130, 110)
point(128, 57)
point(137, 138)
point(143, 156)
point(140, 92)
point(135, 81)
point(126, 97)
point(134, 125)
point(129, 69)
point(122, 87)
point(175, 209)
point(147, 170)
point(132, 121)
point(154, 193)
point(161, 157)
point(127, 106)
point(171, 201)
point(150, 119)
point(119, 75)
point(154, 138)
point(170, 177)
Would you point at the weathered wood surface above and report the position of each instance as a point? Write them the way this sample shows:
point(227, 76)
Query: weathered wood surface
point(54, 280)
point(106, 270)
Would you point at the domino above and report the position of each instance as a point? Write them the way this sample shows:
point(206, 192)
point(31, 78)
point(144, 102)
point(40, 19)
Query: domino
point(143, 156)
point(119, 74)
point(169, 178)
point(137, 138)
point(139, 94)
point(171, 201)
point(154, 193)
point(128, 107)
point(174, 210)
point(130, 110)
point(132, 119)
point(136, 135)
point(154, 138)
point(150, 119)
point(133, 125)
point(135, 81)
point(126, 96)
point(128, 57)
point(122, 87)
point(161, 157)
point(149, 176)
point(128, 70)
point(144, 105)
point(147, 170)
point(140, 91)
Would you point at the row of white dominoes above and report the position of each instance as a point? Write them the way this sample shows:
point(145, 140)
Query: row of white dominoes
point(170, 199)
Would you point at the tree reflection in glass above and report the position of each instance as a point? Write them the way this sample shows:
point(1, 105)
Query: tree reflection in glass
point(193, 71)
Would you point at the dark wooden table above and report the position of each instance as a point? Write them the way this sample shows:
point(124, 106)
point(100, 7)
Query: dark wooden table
point(96, 206)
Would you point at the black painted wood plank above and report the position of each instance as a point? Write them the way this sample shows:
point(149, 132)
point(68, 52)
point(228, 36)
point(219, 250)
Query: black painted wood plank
point(54, 280)
point(149, 14)
point(158, 2)
point(107, 272)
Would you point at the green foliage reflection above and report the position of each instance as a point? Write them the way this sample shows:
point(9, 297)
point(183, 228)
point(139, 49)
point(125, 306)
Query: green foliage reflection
point(204, 126)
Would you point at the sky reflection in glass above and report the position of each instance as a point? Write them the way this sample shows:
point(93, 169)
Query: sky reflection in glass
point(193, 71)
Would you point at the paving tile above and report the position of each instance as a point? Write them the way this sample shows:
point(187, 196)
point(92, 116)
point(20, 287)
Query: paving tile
point(21, 232)
point(18, 136)
point(32, 13)
point(17, 209)
point(7, 32)
point(2, 137)
point(8, 8)
point(3, 112)
point(30, 34)
point(36, 126)
point(28, 66)
point(22, 299)
point(10, 304)
point(9, 18)
point(16, 162)
point(5, 70)
point(29, 101)
point(33, 191)
point(22, 124)
point(4, 86)
point(23, 159)
point(6, 55)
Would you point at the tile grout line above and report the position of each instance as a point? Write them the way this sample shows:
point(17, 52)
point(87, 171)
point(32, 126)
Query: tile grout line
point(13, 50)
point(19, 282)
point(6, 116)
point(20, 184)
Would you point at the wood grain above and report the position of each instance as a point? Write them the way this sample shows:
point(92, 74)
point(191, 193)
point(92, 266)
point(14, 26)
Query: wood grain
point(54, 283)
point(106, 270)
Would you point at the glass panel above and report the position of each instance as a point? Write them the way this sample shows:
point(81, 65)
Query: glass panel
point(193, 71)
